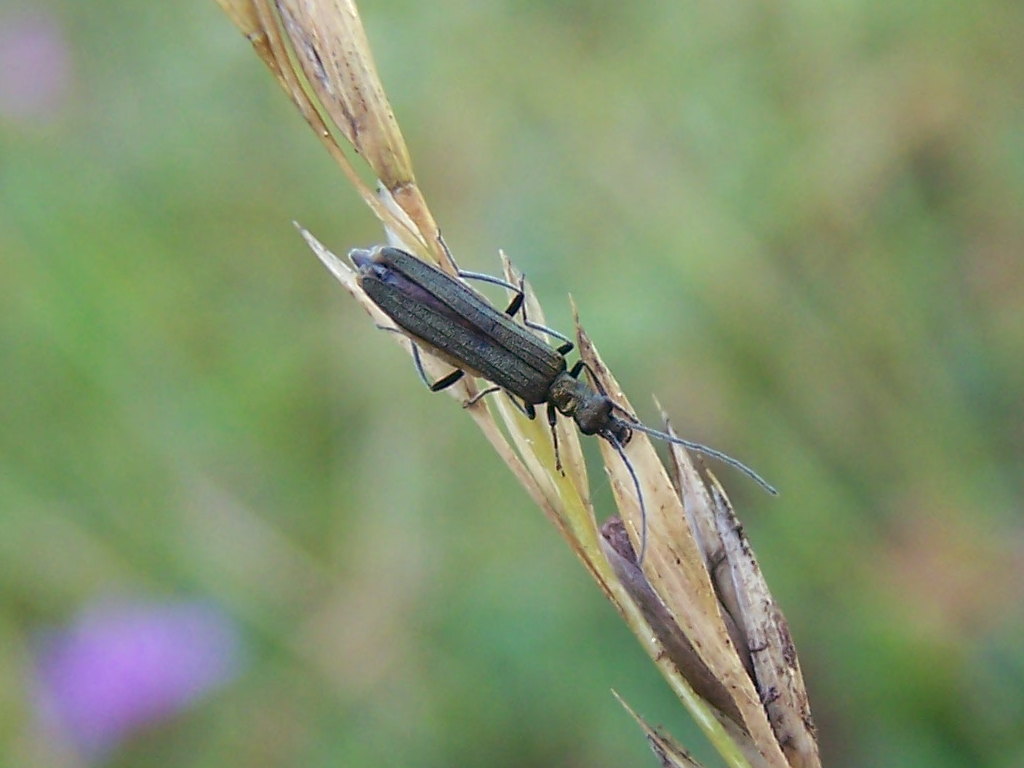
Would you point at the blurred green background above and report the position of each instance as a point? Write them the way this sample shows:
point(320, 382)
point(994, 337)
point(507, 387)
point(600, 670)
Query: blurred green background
point(800, 225)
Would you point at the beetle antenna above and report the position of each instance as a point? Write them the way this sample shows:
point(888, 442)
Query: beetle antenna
point(707, 451)
point(639, 495)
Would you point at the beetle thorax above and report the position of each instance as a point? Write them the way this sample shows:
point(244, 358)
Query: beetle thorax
point(576, 399)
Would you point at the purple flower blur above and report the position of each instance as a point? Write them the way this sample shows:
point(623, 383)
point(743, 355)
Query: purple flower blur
point(35, 65)
point(123, 666)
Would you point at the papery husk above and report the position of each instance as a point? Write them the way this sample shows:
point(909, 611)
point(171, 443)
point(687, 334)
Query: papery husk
point(676, 573)
point(693, 616)
point(669, 753)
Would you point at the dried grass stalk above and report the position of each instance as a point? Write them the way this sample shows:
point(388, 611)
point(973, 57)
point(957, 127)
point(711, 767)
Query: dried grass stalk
point(698, 603)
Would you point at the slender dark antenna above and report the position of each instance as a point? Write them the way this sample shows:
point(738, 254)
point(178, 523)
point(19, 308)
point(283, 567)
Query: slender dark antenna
point(707, 451)
point(639, 495)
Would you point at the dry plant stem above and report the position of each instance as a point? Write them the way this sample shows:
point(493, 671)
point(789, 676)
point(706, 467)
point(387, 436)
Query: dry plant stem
point(669, 754)
point(777, 668)
point(286, 33)
point(569, 508)
point(332, 49)
point(327, 42)
point(692, 489)
point(676, 646)
point(752, 616)
point(319, 54)
point(675, 569)
point(664, 642)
